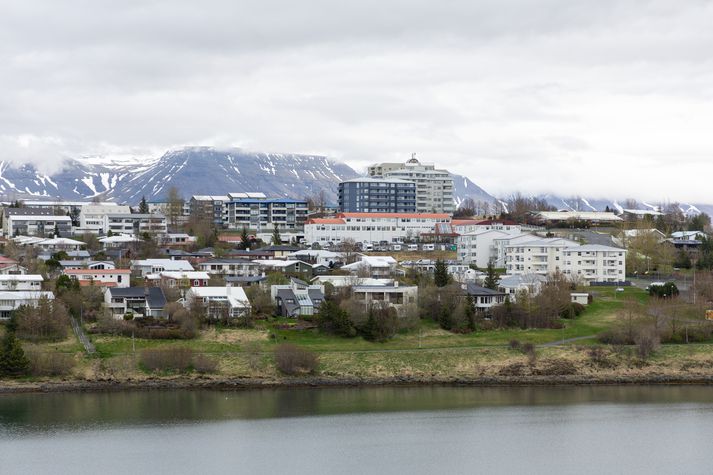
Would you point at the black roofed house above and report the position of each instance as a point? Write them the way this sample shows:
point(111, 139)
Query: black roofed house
point(483, 298)
point(139, 301)
point(297, 298)
point(279, 251)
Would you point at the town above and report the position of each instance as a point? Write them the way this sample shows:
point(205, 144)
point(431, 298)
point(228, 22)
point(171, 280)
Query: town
point(192, 281)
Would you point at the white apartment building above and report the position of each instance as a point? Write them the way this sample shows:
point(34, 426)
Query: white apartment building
point(29, 282)
point(10, 301)
point(35, 222)
point(478, 247)
point(230, 267)
point(541, 256)
point(372, 227)
point(134, 223)
point(91, 217)
point(584, 264)
point(595, 263)
point(434, 188)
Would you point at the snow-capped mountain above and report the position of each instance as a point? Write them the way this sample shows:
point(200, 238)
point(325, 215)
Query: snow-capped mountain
point(193, 171)
point(579, 203)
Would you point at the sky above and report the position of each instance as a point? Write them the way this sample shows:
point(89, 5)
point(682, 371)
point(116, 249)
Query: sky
point(595, 98)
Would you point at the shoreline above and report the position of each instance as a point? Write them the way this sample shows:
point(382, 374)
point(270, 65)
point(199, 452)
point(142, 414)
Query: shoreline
point(192, 384)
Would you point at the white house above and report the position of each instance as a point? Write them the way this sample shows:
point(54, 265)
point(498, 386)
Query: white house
point(372, 227)
point(230, 267)
point(10, 301)
point(226, 301)
point(29, 282)
point(396, 296)
point(514, 285)
point(137, 301)
point(144, 267)
point(484, 299)
point(101, 277)
point(373, 266)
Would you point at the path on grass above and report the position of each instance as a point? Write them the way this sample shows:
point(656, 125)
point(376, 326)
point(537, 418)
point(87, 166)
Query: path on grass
point(82, 337)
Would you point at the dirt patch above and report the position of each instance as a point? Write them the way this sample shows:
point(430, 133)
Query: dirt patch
point(234, 335)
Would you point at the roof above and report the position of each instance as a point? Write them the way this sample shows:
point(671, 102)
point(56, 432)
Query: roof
point(167, 264)
point(383, 288)
point(97, 271)
point(583, 215)
point(521, 279)
point(279, 248)
point(61, 242)
point(235, 295)
point(154, 295)
point(26, 295)
point(22, 277)
point(186, 275)
point(474, 289)
point(594, 247)
point(396, 215)
point(325, 221)
point(34, 212)
point(369, 179)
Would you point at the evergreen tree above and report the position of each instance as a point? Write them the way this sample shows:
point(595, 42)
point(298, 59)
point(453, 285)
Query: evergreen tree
point(244, 239)
point(276, 238)
point(492, 278)
point(13, 361)
point(143, 206)
point(440, 274)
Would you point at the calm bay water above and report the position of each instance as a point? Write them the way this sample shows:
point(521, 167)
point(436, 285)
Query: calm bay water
point(372, 430)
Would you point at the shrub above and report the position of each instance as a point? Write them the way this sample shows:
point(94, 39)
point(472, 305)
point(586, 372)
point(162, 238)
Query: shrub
point(50, 364)
point(293, 360)
point(529, 350)
point(598, 357)
point(204, 364)
point(572, 310)
point(515, 344)
point(556, 367)
point(167, 359)
point(647, 342)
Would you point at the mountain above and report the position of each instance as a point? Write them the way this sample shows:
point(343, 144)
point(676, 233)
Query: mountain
point(579, 203)
point(193, 170)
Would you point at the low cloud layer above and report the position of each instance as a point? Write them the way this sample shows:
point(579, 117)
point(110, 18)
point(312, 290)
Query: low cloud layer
point(607, 98)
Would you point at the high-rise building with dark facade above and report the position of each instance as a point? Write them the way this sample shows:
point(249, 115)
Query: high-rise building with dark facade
point(377, 195)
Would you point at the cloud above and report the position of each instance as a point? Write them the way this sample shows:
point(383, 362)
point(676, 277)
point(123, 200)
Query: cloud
point(607, 98)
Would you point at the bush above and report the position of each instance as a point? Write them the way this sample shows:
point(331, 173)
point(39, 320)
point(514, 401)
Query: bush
point(529, 350)
point(167, 359)
point(293, 360)
point(50, 364)
point(598, 357)
point(572, 310)
point(556, 367)
point(204, 364)
point(647, 342)
point(46, 322)
point(514, 344)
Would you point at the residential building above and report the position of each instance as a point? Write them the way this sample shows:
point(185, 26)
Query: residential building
point(376, 267)
point(35, 222)
point(220, 302)
point(539, 256)
point(137, 301)
point(176, 240)
point(377, 195)
point(434, 188)
point(144, 267)
point(12, 300)
point(11, 266)
point(184, 279)
point(396, 296)
point(120, 241)
point(290, 267)
point(562, 217)
point(483, 298)
point(86, 264)
point(92, 217)
point(230, 267)
point(134, 223)
point(343, 281)
point(372, 227)
point(265, 213)
point(279, 251)
point(316, 256)
point(210, 208)
point(594, 263)
point(479, 247)
point(101, 277)
point(28, 282)
point(297, 298)
point(515, 285)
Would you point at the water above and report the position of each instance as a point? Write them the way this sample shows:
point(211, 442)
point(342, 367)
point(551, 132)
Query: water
point(374, 430)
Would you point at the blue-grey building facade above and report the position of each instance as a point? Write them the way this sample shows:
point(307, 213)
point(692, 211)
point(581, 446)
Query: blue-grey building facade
point(377, 195)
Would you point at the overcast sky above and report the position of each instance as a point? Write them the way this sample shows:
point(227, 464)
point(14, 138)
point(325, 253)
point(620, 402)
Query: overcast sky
point(598, 98)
